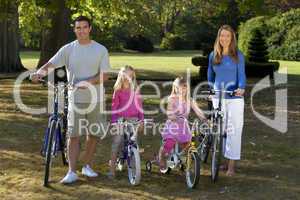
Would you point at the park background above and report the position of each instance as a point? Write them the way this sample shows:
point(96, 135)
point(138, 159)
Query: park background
point(160, 39)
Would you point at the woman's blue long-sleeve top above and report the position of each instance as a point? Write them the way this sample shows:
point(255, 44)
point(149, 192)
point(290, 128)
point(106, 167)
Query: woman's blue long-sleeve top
point(228, 75)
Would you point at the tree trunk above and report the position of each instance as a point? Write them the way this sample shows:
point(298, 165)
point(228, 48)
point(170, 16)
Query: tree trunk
point(169, 23)
point(55, 36)
point(9, 38)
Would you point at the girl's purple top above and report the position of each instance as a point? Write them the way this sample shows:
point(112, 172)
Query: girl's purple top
point(178, 129)
point(126, 106)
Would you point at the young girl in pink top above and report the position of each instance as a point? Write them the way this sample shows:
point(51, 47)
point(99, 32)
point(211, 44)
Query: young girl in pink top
point(176, 127)
point(126, 104)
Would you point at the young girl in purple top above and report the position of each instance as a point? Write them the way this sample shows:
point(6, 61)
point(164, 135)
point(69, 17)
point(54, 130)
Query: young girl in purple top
point(176, 127)
point(126, 104)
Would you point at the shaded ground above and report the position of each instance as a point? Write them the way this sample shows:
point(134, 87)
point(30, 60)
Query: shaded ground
point(269, 168)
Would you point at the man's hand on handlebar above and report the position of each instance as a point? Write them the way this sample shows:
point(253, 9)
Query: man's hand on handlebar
point(36, 77)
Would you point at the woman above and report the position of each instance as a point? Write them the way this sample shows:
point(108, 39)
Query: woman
point(226, 71)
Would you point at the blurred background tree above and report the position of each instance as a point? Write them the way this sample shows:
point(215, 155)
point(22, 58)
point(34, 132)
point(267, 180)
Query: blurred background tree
point(147, 26)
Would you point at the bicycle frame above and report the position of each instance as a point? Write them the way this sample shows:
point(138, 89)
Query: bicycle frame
point(216, 145)
point(61, 123)
point(127, 133)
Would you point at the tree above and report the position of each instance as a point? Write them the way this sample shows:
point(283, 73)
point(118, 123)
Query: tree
point(282, 5)
point(258, 49)
point(56, 34)
point(9, 37)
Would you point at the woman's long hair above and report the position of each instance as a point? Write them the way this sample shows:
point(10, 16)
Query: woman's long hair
point(218, 49)
point(122, 76)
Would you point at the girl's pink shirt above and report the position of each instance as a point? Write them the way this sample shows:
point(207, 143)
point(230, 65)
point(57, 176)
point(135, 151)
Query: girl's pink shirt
point(121, 106)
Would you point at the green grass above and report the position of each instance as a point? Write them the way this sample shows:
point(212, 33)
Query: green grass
point(30, 58)
point(166, 64)
point(292, 66)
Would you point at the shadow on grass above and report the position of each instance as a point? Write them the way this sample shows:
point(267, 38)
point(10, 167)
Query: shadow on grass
point(268, 169)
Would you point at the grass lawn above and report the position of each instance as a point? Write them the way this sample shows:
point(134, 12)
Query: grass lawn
point(292, 66)
point(269, 168)
point(162, 65)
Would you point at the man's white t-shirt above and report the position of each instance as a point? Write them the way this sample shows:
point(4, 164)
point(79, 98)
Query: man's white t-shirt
point(83, 62)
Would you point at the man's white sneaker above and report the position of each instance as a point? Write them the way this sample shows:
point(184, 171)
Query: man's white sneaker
point(88, 171)
point(71, 177)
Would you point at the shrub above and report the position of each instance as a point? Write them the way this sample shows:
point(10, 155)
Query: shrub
point(293, 35)
point(282, 33)
point(253, 69)
point(173, 42)
point(247, 29)
point(257, 48)
point(199, 60)
point(257, 69)
point(111, 42)
point(202, 63)
point(139, 43)
point(287, 52)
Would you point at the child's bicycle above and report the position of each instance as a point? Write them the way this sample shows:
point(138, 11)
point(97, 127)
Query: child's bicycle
point(55, 134)
point(130, 151)
point(186, 159)
point(212, 138)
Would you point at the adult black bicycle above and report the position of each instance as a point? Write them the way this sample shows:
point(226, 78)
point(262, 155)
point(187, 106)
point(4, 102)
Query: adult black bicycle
point(54, 142)
point(212, 140)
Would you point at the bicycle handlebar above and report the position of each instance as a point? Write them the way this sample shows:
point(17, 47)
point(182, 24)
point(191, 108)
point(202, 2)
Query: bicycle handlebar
point(123, 121)
point(213, 92)
point(43, 81)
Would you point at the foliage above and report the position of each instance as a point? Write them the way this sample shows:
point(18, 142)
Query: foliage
point(281, 33)
point(258, 50)
point(173, 42)
point(139, 43)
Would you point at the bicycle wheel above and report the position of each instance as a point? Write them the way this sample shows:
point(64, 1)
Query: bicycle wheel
point(64, 129)
point(134, 166)
point(50, 148)
point(148, 166)
point(193, 170)
point(64, 150)
point(216, 151)
point(205, 148)
point(120, 164)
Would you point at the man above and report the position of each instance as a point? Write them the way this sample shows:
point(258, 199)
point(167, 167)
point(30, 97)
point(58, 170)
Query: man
point(86, 62)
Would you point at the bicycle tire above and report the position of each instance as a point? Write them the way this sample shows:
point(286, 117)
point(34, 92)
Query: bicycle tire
point(134, 171)
point(192, 178)
point(217, 151)
point(53, 126)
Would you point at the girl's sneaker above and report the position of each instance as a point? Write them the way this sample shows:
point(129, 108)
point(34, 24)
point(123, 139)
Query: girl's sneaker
point(88, 171)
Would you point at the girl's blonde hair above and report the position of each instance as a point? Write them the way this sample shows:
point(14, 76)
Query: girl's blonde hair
point(179, 81)
point(122, 76)
point(218, 49)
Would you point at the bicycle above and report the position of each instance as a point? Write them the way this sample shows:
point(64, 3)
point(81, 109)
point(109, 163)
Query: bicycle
point(212, 139)
point(130, 151)
point(191, 165)
point(55, 134)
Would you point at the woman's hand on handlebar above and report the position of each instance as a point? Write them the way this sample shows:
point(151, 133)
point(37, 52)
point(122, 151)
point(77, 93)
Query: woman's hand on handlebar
point(239, 92)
